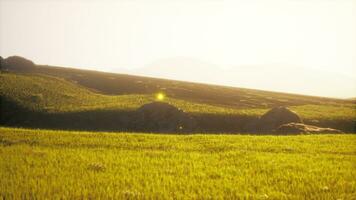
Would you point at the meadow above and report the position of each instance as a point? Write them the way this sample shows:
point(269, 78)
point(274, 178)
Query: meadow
point(218, 160)
point(54, 95)
point(65, 100)
point(51, 94)
point(37, 164)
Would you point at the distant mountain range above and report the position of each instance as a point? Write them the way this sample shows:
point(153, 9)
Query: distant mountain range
point(282, 78)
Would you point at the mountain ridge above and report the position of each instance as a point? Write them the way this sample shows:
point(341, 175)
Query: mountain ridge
point(70, 73)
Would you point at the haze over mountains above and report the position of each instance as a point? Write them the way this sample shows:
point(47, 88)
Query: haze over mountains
point(306, 47)
point(276, 77)
point(282, 78)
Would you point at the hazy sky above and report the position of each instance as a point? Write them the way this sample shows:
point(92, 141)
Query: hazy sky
point(310, 35)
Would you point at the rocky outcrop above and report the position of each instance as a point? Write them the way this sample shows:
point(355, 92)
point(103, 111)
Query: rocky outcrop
point(17, 63)
point(298, 128)
point(276, 117)
point(162, 117)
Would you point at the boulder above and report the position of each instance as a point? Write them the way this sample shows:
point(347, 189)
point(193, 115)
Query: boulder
point(17, 63)
point(276, 117)
point(297, 128)
point(162, 117)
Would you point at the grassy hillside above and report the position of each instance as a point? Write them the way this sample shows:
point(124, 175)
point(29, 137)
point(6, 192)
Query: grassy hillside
point(66, 99)
point(119, 84)
point(51, 94)
point(36, 164)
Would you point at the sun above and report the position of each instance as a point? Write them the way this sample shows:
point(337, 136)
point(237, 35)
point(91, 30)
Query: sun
point(160, 96)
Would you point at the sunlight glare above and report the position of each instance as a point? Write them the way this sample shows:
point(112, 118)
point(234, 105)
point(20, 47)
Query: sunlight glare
point(160, 96)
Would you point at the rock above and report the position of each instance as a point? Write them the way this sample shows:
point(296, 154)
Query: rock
point(17, 63)
point(251, 125)
point(162, 117)
point(297, 128)
point(276, 117)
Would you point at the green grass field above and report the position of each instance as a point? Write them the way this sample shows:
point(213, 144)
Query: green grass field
point(41, 164)
point(55, 95)
point(63, 101)
point(50, 94)
point(58, 164)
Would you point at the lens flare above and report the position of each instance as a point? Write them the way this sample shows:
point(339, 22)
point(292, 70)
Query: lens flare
point(160, 96)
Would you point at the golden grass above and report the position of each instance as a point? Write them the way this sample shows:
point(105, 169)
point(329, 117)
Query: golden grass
point(40, 164)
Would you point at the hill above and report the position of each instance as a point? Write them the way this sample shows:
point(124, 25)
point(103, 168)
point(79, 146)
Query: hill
point(118, 84)
point(104, 101)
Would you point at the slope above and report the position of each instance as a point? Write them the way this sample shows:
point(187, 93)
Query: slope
point(83, 96)
point(54, 95)
point(58, 99)
point(119, 84)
